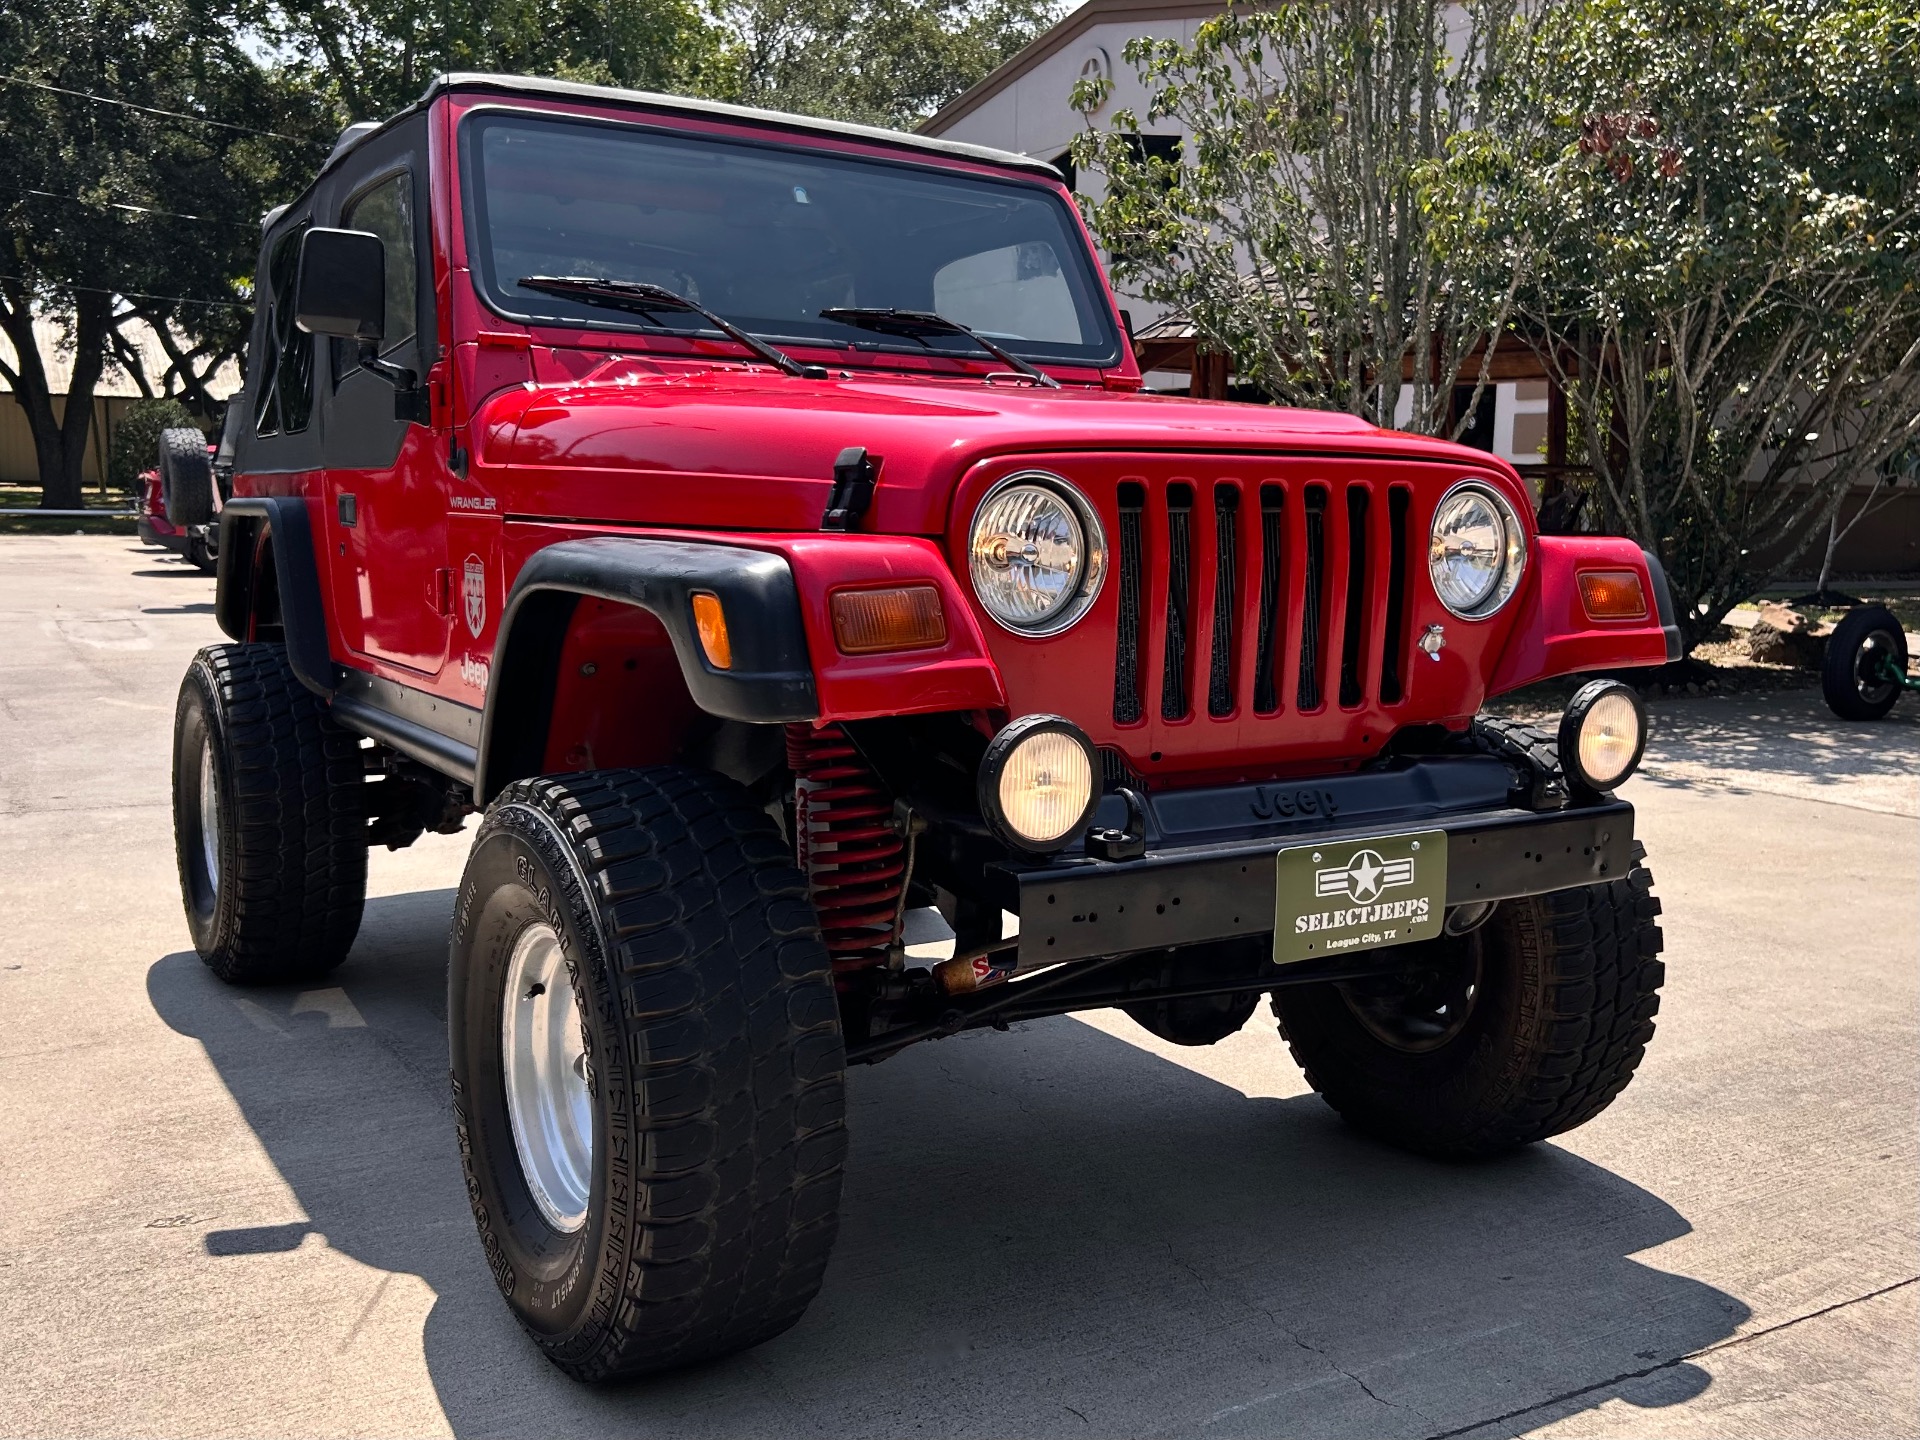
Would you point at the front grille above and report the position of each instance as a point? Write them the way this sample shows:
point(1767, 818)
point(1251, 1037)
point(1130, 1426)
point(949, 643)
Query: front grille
point(1332, 565)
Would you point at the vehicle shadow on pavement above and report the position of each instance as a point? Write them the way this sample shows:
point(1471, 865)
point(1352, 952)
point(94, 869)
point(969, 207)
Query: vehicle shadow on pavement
point(1044, 1232)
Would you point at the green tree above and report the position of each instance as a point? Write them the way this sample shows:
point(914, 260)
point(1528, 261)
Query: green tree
point(131, 181)
point(1718, 206)
point(370, 58)
point(136, 439)
point(883, 62)
point(1297, 227)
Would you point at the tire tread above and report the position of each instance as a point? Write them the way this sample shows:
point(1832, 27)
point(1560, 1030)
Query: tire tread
point(734, 1062)
point(297, 873)
point(1601, 977)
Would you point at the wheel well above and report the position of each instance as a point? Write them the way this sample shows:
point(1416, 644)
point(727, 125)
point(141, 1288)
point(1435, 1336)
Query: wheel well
point(264, 620)
point(582, 683)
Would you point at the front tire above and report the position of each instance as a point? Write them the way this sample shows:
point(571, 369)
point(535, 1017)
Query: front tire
point(670, 1191)
point(269, 819)
point(1523, 1028)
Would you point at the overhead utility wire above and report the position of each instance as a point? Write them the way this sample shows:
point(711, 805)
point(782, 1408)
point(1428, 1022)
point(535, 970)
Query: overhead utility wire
point(139, 209)
point(132, 294)
point(154, 110)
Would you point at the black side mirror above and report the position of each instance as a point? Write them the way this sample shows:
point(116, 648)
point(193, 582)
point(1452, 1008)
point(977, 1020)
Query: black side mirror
point(341, 288)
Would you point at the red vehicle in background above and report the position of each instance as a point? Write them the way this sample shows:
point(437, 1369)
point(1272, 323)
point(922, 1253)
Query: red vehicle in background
point(760, 520)
point(178, 501)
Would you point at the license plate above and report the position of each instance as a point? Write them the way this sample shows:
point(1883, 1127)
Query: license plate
point(1333, 899)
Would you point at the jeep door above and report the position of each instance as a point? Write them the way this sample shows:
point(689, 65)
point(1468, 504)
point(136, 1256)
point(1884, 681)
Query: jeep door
point(386, 479)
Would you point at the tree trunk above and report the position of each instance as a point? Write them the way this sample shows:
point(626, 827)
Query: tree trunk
point(59, 442)
point(1833, 544)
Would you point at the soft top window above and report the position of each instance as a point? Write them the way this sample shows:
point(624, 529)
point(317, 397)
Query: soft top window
point(284, 403)
point(769, 236)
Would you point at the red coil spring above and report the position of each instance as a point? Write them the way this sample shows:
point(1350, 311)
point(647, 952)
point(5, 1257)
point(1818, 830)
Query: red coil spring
point(854, 859)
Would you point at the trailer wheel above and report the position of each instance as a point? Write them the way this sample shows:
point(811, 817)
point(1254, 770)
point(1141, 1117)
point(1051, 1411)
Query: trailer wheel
point(269, 819)
point(1522, 1028)
point(1854, 677)
point(647, 1069)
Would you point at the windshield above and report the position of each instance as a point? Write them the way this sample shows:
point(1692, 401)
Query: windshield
point(769, 237)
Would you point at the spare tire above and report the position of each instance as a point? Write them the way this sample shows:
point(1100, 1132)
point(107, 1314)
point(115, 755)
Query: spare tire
point(186, 476)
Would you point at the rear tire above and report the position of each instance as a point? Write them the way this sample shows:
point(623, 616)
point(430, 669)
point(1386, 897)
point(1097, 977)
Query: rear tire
point(679, 1200)
point(269, 819)
point(1523, 1028)
point(1866, 638)
point(186, 476)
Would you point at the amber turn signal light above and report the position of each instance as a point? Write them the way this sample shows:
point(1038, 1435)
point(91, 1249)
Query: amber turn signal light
point(902, 617)
point(710, 623)
point(1613, 595)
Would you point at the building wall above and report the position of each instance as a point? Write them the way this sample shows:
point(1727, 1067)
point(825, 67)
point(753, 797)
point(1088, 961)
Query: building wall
point(17, 463)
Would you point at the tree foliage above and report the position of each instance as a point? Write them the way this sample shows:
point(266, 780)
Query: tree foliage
point(1297, 226)
point(370, 58)
point(131, 183)
point(885, 62)
point(1717, 207)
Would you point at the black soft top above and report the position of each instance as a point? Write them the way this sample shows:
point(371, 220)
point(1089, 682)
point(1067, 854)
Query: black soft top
point(533, 86)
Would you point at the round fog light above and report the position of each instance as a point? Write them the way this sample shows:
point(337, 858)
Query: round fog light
point(1602, 734)
point(1037, 782)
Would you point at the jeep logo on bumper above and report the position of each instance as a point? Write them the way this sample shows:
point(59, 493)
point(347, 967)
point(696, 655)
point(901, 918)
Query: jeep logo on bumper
point(1274, 802)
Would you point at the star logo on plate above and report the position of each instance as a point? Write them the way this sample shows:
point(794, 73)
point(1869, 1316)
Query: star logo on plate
point(1363, 877)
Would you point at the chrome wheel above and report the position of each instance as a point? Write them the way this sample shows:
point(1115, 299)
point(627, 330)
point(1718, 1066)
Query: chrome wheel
point(209, 817)
point(545, 1066)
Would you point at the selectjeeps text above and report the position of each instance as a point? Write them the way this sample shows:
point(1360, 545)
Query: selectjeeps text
point(759, 522)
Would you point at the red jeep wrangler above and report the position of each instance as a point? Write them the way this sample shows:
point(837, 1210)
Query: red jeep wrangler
point(179, 499)
point(758, 519)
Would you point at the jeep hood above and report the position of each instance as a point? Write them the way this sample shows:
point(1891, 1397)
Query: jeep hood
point(633, 444)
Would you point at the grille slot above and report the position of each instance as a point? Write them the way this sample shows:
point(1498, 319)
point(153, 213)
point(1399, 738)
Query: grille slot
point(1273, 511)
point(1226, 590)
point(1126, 659)
point(1173, 679)
point(1393, 639)
point(1312, 623)
point(1353, 639)
point(1347, 613)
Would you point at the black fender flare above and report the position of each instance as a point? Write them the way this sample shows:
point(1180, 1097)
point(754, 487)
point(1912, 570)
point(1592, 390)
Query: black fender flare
point(770, 681)
point(1663, 604)
point(303, 615)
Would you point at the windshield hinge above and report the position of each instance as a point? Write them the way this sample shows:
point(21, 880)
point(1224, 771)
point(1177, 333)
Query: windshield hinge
point(853, 480)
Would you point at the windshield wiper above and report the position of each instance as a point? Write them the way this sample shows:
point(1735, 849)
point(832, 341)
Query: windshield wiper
point(918, 324)
point(638, 297)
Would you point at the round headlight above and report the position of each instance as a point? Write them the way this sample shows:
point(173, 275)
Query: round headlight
point(1602, 734)
point(1037, 782)
point(1476, 551)
point(1037, 554)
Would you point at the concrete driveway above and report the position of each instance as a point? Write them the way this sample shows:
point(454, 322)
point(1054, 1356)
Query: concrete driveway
point(240, 1212)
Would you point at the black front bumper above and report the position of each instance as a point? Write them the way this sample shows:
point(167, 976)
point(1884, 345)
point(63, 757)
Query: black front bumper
point(1209, 870)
